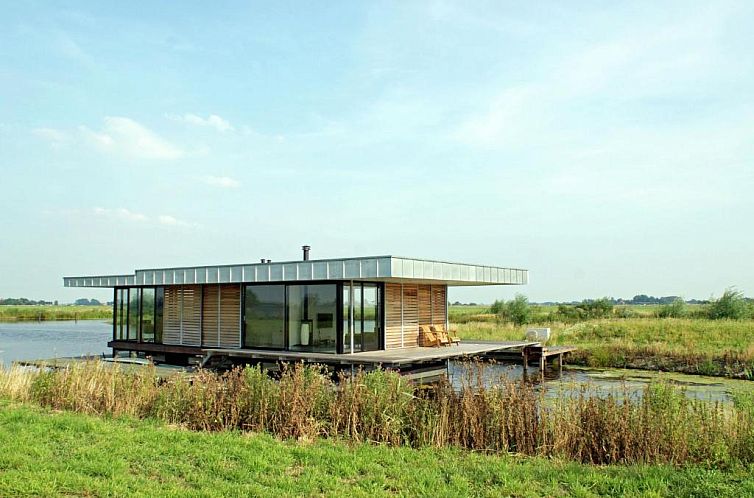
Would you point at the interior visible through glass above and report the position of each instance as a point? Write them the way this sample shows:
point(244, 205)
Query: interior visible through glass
point(147, 315)
point(264, 316)
point(312, 311)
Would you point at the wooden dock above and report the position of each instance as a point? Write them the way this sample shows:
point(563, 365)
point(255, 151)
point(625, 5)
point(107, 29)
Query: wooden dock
point(397, 358)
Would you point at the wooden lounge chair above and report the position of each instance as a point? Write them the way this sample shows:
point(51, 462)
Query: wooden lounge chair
point(427, 338)
point(442, 337)
point(439, 329)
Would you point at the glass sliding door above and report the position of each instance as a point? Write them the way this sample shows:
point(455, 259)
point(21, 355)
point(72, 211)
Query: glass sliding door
point(367, 322)
point(312, 311)
point(357, 318)
point(264, 316)
point(370, 318)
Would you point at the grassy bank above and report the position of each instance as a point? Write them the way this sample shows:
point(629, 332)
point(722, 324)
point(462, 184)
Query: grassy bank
point(662, 426)
point(694, 346)
point(49, 453)
point(50, 312)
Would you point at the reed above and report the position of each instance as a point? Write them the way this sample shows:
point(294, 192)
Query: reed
point(660, 426)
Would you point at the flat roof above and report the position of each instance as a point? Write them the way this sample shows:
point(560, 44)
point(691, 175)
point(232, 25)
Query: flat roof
point(372, 268)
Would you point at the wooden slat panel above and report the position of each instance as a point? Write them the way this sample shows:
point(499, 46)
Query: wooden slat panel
point(392, 316)
point(410, 315)
point(210, 315)
point(192, 315)
point(439, 299)
point(424, 305)
point(171, 324)
point(230, 316)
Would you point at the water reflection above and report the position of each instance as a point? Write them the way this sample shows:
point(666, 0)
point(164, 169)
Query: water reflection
point(594, 381)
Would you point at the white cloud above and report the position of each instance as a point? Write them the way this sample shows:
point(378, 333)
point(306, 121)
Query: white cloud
point(221, 181)
point(212, 121)
point(127, 137)
point(51, 135)
point(166, 219)
point(121, 214)
point(126, 215)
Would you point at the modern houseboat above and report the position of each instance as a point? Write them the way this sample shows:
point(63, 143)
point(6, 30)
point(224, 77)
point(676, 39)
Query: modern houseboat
point(328, 310)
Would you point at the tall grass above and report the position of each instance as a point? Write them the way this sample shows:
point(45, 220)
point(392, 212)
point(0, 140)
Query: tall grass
point(662, 425)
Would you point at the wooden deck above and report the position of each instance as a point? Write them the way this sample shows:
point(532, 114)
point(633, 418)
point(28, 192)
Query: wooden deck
point(390, 358)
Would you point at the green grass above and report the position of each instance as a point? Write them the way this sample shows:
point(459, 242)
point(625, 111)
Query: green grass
point(51, 312)
point(47, 453)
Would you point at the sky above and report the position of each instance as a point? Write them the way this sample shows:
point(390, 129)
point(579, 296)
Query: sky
point(608, 147)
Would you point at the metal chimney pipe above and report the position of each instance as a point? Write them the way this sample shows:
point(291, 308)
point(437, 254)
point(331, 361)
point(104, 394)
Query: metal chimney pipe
point(306, 252)
point(262, 260)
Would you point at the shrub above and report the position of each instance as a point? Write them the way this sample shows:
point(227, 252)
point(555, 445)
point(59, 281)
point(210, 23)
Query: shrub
point(731, 305)
point(497, 307)
point(517, 310)
point(676, 309)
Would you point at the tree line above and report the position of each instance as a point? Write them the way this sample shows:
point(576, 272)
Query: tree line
point(732, 305)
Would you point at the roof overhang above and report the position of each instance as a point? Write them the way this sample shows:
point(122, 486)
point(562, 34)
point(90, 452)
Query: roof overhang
point(375, 269)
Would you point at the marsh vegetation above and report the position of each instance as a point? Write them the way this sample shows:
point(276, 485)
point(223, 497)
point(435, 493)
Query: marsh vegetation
point(660, 426)
point(50, 312)
point(711, 339)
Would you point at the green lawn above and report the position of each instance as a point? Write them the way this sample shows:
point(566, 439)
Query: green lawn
point(64, 454)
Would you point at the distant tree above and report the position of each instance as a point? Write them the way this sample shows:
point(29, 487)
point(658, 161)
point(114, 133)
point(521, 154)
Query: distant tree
point(731, 305)
point(81, 302)
point(56, 302)
point(96, 302)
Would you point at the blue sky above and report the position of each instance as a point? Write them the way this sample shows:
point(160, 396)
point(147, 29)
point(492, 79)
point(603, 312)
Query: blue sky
point(606, 147)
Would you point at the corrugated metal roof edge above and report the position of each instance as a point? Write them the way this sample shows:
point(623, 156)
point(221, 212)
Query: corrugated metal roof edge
point(293, 262)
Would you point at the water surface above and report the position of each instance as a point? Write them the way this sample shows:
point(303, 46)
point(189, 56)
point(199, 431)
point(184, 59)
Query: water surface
point(36, 340)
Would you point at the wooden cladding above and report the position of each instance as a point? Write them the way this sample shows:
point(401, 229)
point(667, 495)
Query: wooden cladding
point(182, 315)
point(393, 316)
point(221, 316)
point(409, 305)
point(171, 321)
point(410, 315)
point(439, 304)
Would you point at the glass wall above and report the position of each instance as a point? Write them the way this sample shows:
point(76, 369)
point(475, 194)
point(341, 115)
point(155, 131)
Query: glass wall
point(312, 312)
point(138, 314)
point(147, 315)
point(264, 316)
point(121, 310)
point(370, 314)
point(133, 314)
